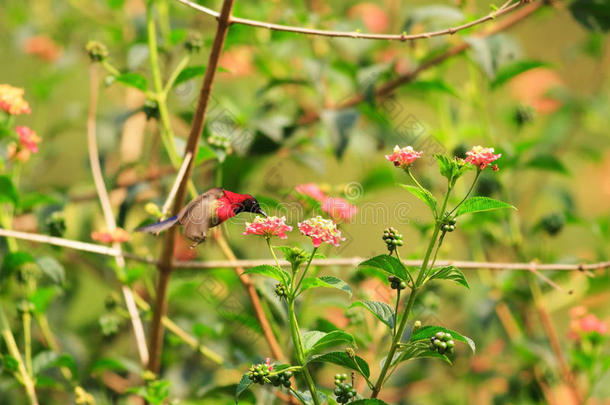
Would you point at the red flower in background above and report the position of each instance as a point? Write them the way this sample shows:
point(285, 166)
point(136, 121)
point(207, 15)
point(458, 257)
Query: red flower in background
point(374, 17)
point(583, 323)
point(320, 231)
point(11, 100)
point(339, 209)
point(118, 235)
point(403, 157)
point(43, 47)
point(268, 227)
point(312, 190)
point(28, 144)
point(482, 157)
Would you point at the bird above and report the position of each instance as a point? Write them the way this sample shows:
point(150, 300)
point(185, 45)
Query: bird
point(206, 211)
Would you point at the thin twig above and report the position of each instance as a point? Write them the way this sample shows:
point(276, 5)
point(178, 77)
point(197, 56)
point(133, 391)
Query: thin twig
point(354, 34)
point(179, 178)
point(389, 87)
point(336, 262)
point(104, 199)
point(165, 264)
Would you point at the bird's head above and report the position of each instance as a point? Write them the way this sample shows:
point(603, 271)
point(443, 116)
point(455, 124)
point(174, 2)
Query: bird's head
point(244, 203)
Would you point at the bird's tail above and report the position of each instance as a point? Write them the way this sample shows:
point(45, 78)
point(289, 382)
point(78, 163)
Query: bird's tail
point(159, 226)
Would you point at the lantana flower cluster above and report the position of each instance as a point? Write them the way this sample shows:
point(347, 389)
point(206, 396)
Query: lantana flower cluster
point(403, 157)
point(11, 100)
point(482, 157)
point(338, 208)
point(26, 140)
point(118, 235)
point(268, 227)
point(320, 230)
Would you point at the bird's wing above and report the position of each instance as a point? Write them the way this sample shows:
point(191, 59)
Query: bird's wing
point(197, 215)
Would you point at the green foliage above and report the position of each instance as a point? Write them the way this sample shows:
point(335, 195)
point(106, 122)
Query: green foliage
point(381, 310)
point(449, 273)
point(424, 195)
point(326, 281)
point(356, 363)
point(480, 204)
point(387, 264)
point(426, 332)
point(133, 79)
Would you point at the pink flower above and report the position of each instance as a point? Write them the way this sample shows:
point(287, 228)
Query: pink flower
point(403, 157)
point(268, 227)
point(268, 364)
point(312, 190)
point(28, 138)
point(590, 323)
point(320, 231)
point(118, 235)
point(482, 157)
point(11, 100)
point(339, 209)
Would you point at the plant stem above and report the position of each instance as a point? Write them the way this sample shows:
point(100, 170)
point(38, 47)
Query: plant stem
point(172, 78)
point(26, 318)
point(395, 342)
point(298, 346)
point(11, 345)
point(468, 193)
point(296, 289)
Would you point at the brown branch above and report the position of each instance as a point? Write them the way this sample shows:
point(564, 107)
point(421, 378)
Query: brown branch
point(165, 261)
point(254, 299)
point(389, 87)
point(98, 179)
point(506, 8)
point(336, 262)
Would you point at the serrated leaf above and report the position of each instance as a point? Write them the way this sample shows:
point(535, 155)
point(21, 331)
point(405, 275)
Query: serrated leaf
point(449, 273)
point(133, 79)
point(342, 359)
point(381, 310)
point(320, 341)
point(269, 271)
point(243, 385)
point(188, 73)
point(388, 264)
point(8, 192)
point(326, 281)
point(426, 332)
point(480, 204)
point(52, 268)
point(417, 350)
point(423, 195)
point(507, 72)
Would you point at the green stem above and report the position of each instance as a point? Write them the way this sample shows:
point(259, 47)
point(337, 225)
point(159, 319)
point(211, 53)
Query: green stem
point(414, 180)
point(26, 318)
point(172, 78)
point(469, 191)
point(11, 345)
point(296, 289)
point(394, 346)
point(298, 346)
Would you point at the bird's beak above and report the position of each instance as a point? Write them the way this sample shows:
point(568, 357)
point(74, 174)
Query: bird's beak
point(260, 211)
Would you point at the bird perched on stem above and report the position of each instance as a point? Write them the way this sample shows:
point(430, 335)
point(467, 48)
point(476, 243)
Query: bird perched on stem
point(208, 210)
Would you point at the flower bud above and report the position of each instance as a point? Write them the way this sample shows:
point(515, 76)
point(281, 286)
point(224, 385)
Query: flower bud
point(350, 352)
point(151, 109)
point(416, 325)
point(97, 51)
point(193, 43)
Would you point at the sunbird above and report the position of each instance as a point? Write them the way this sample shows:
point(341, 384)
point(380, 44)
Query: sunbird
point(208, 210)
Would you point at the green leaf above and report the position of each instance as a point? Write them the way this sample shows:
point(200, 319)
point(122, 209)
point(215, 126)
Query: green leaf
point(449, 273)
point(547, 162)
point(188, 73)
point(369, 401)
point(342, 359)
point(326, 281)
point(8, 192)
point(426, 332)
point(204, 153)
point(243, 385)
point(269, 271)
point(133, 79)
point(480, 204)
point(316, 341)
point(432, 85)
point(108, 364)
point(52, 268)
point(451, 168)
point(388, 264)
point(417, 350)
point(30, 200)
point(381, 310)
point(423, 195)
point(47, 359)
point(41, 298)
point(340, 124)
point(507, 72)
point(592, 14)
point(15, 260)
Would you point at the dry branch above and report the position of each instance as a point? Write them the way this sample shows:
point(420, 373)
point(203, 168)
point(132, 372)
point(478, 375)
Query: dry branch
point(506, 8)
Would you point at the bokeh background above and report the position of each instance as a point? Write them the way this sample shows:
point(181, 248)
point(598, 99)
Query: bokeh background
point(537, 92)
